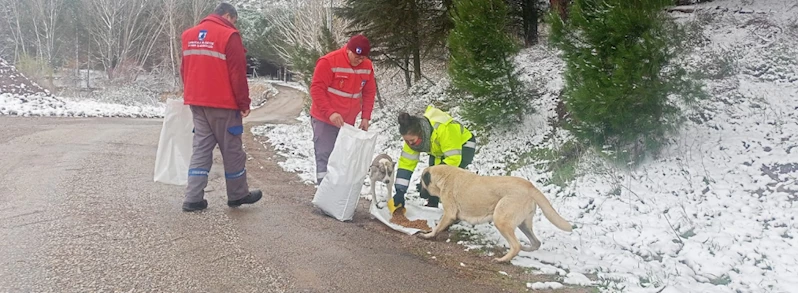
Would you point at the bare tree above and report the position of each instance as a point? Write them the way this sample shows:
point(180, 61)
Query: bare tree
point(199, 8)
point(7, 34)
point(300, 25)
point(176, 20)
point(142, 33)
point(46, 17)
point(171, 8)
point(15, 22)
point(124, 31)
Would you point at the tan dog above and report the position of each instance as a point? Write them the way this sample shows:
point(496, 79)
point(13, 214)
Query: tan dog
point(508, 201)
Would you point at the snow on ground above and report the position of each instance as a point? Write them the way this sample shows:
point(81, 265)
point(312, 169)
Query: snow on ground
point(290, 84)
point(260, 91)
point(714, 212)
point(40, 105)
point(544, 285)
point(19, 96)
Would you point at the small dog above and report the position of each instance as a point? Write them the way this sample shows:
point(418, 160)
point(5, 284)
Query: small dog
point(381, 169)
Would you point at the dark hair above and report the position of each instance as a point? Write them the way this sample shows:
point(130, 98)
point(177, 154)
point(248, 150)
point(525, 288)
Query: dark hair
point(409, 124)
point(225, 8)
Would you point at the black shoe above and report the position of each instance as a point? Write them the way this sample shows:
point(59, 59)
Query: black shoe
point(195, 206)
point(253, 197)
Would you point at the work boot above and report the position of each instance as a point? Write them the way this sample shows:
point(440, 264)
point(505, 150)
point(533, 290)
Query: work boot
point(195, 206)
point(253, 197)
point(393, 207)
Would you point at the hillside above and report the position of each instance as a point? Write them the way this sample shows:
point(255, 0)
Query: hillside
point(714, 212)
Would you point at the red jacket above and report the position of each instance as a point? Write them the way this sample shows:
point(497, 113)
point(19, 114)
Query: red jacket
point(337, 87)
point(214, 67)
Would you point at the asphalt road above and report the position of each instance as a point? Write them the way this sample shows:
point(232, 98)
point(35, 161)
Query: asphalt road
point(79, 212)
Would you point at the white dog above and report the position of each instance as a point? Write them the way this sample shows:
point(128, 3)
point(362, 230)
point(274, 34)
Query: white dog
point(381, 169)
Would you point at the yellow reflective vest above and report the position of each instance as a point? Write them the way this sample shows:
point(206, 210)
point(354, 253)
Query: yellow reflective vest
point(446, 144)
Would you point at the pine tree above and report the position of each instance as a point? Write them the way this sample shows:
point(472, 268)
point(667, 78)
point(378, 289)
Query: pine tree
point(400, 31)
point(257, 35)
point(620, 72)
point(480, 63)
point(304, 59)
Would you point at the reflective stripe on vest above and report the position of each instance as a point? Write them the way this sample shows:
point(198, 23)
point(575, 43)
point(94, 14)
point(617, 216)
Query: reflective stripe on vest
point(350, 70)
point(344, 94)
point(452, 153)
point(410, 156)
point(210, 53)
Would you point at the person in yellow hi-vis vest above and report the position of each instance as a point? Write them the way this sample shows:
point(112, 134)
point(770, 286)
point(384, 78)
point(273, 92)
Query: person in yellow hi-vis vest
point(438, 135)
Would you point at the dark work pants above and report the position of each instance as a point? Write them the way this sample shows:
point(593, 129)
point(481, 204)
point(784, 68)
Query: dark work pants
point(224, 127)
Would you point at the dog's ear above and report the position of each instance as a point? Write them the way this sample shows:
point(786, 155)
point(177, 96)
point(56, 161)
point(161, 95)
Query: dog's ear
point(426, 177)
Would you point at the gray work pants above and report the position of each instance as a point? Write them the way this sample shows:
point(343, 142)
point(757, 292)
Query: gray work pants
point(324, 136)
point(224, 127)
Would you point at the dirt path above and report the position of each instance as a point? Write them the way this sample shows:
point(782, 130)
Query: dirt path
point(282, 109)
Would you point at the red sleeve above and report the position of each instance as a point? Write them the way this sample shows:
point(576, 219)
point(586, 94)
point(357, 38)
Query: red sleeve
point(182, 71)
point(369, 92)
point(237, 67)
point(322, 79)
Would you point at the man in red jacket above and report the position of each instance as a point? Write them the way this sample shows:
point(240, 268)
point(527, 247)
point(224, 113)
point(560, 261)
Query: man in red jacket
point(214, 72)
point(343, 86)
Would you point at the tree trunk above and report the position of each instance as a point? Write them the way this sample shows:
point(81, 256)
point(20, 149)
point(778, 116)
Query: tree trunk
point(19, 39)
point(530, 21)
point(77, 55)
point(88, 65)
point(408, 79)
point(378, 95)
point(561, 6)
point(416, 46)
point(170, 5)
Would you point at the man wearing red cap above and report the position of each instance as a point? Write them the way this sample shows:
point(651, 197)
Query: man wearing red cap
point(342, 87)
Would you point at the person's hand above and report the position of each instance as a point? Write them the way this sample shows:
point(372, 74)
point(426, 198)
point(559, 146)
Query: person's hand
point(364, 125)
point(245, 113)
point(337, 120)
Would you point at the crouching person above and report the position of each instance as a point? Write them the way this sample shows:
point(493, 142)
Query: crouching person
point(215, 86)
point(437, 134)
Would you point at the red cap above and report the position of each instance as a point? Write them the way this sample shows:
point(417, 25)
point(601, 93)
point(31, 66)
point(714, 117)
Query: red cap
point(359, 45)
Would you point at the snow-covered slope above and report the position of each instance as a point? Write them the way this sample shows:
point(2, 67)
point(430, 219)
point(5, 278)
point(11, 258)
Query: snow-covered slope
point(20, 96)
point(715, 212)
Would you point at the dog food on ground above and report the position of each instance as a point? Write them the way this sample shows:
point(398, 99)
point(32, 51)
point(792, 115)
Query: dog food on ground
point(399, 218)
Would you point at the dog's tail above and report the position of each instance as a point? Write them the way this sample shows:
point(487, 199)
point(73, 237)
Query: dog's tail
point(549, 211)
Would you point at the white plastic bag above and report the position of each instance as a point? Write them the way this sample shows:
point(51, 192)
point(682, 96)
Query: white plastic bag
point(175, 144)
point(347, 167)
